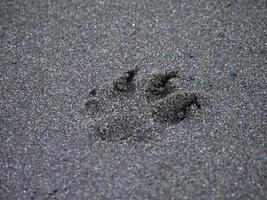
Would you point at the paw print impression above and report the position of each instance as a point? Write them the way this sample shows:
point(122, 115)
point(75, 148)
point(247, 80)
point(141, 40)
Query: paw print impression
point(125, 83)
point(120, 110)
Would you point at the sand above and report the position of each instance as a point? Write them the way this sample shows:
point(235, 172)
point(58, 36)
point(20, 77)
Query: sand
point(133, 99)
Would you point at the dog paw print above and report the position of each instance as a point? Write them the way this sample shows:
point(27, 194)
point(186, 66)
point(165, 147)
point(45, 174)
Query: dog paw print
point(123, 110)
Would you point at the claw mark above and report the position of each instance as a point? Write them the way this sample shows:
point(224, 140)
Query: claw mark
point(93, 92)
point(159, 85)
point(51, 194)
point(125, 82)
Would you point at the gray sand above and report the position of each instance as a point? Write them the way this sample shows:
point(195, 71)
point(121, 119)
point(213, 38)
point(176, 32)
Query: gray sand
point(75, 125)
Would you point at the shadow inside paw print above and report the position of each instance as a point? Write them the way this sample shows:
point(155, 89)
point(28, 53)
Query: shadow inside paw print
point(159, 85)
point(125, 82)
point(120, 112)
point(174, 107)
point(123, 126)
